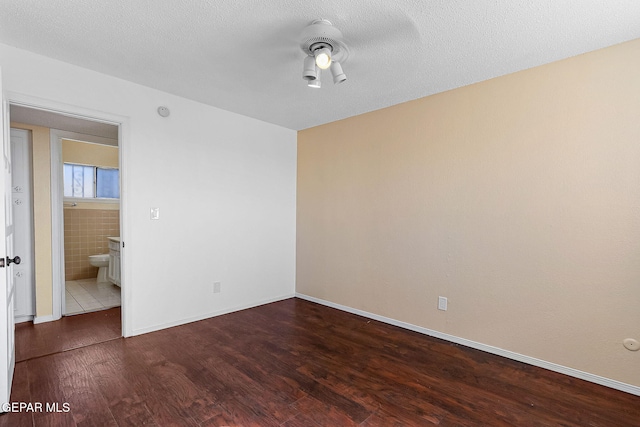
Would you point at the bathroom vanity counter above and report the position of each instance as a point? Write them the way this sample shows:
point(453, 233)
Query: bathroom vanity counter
point(114, 260)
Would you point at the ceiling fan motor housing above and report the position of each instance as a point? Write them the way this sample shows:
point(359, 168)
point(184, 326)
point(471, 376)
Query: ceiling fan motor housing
point(320, 34)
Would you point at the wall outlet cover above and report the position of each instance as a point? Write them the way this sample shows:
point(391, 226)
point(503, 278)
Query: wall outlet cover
point(442, 303)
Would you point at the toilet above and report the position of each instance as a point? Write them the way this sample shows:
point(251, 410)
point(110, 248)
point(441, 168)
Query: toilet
point(102, 262)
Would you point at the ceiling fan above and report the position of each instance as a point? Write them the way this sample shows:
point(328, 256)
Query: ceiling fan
point(325, 48)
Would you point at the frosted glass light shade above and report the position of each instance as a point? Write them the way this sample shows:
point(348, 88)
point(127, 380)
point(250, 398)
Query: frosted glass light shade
point(323, 58)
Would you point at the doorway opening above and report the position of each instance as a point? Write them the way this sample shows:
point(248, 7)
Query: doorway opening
point(91, 195)
point(68, 228)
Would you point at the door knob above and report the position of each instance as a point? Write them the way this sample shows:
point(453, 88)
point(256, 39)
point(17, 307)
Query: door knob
point(16, 260)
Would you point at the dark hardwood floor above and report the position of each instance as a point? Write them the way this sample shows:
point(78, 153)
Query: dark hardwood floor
point(67, 333)
point(295, 363)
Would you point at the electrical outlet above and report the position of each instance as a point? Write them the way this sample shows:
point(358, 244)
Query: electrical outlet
point(442, 303)
point(217, 287)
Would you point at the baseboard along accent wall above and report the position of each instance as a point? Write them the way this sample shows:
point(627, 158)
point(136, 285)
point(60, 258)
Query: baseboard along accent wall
point(628, 388)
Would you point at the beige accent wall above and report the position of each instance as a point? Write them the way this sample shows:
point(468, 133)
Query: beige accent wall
point(41, 217)
point(85, 153)
point(517, 198)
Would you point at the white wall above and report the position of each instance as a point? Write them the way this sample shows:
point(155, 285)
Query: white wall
point(225, 185)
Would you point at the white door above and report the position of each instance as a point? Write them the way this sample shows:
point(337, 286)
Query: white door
point(23, 274)
point(7, 326)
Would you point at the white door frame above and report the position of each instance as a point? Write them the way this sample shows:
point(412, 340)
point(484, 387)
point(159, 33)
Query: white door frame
point(57, 220)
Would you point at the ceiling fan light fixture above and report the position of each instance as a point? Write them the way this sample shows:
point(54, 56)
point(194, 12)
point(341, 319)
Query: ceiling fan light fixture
point(316, 84)
point(310, 70)
point(323, 44)
point(323, 58)
point(336, 71)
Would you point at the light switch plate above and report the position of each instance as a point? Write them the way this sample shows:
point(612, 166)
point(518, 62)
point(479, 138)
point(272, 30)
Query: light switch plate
point(155, 213)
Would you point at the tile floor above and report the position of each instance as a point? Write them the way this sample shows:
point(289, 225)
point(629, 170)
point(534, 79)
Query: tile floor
point(86, 295)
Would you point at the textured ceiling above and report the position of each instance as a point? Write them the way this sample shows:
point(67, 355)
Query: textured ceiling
point(243, 55)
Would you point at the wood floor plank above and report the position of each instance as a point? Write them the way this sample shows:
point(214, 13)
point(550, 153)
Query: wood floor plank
point(67, 333)
point(204, 389)
point(109, 373)
point(79, 381)
point(19, 393)
point(279, 350)
point(301, 420)
point(330, 414)
point(236, 414)
point(240, 388)
point(45, 386)
point(295, 363)
point(168, 402)
point(309, 385)
point(112, 374)
point(281, 382)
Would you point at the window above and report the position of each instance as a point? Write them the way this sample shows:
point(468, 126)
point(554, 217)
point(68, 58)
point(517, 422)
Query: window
point(91, 182)
point(107, 183)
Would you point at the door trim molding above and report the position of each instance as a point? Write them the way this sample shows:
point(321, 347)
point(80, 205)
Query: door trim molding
point(43, 319)
point(57, 225)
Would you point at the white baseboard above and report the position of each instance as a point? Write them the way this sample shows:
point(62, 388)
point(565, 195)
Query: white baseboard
point(607, 382)
point(154, 328)
point(22, 319)
point(43, 319)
